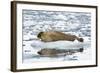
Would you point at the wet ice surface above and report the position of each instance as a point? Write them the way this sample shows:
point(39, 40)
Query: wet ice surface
point(35, 21)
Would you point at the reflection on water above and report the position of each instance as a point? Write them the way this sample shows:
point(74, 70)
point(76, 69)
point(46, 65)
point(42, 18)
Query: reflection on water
point(31, 49)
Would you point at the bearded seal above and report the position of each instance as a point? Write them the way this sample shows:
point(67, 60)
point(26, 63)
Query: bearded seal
point(56, 36)
point(58, 52)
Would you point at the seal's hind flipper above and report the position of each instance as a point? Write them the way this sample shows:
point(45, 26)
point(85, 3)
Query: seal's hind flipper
point(81, 50)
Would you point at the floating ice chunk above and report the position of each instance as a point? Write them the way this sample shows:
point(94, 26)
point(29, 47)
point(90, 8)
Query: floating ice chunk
point(61, 44)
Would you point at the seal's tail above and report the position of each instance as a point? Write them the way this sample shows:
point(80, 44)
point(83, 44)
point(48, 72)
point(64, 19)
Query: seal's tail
point(80, 39)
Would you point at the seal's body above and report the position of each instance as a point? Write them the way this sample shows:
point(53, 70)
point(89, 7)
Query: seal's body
point(55, 36)
point(58, 52)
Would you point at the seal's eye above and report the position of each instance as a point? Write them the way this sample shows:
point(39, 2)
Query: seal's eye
point(40, 34)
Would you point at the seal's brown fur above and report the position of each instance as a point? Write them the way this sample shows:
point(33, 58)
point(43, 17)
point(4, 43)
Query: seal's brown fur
point(58, 52)
point(55, 36)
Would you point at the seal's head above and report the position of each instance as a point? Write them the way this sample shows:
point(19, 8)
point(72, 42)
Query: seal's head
point(39, 35)
point(39, 52)
point(44, 51)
